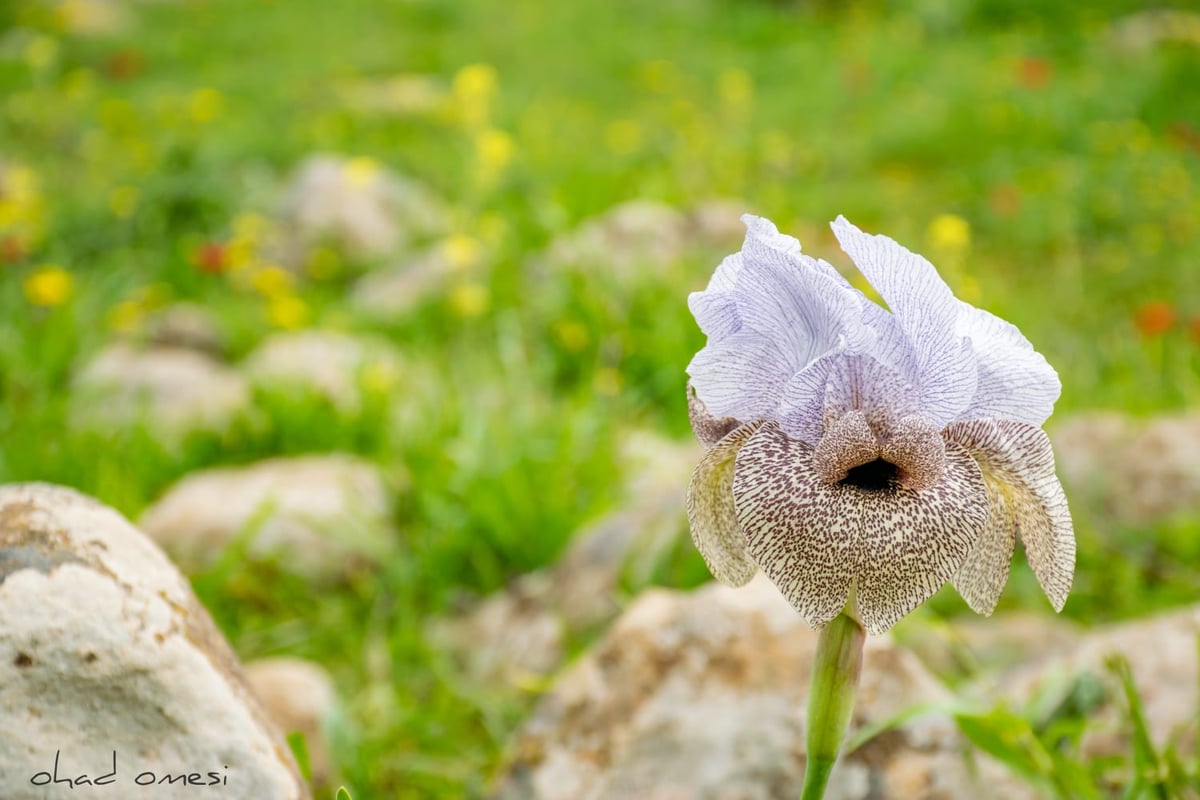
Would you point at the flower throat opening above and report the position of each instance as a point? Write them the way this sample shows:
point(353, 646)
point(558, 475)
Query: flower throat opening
point(874, 476)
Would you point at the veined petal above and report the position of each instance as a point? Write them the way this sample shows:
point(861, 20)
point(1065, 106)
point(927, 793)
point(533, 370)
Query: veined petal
point(715, 309)
point(1015, 381)
point(708, 429)
point(938, 363)
point(799, 529)
point(773, 313)
point(981, 578)
point(1018, 461)
point(914, 541)
point(711, 513)
point(837, 384)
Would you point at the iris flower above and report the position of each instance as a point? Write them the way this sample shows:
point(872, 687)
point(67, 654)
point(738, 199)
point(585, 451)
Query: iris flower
point(862, 456)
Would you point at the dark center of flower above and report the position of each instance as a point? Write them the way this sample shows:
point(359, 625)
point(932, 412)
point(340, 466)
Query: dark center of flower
point(874, 476)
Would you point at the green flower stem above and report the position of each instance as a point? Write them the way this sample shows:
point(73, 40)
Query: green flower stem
point(831, 699)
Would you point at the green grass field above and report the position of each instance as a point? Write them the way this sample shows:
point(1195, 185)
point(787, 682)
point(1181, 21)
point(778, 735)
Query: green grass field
point(1052, 173)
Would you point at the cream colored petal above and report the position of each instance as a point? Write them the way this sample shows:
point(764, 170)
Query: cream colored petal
point(982, 576)
point(914, 541)
point(801, 530)
point(1018, 465)
point(711, 514)
point(708, 429)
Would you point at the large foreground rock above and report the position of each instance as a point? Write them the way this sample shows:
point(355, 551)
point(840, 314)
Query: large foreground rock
point(319, 516)
point(105, 650)
point(701, 696)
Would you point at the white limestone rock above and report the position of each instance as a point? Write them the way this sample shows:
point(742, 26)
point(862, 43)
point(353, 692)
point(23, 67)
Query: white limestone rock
point(359, 205)
point(701, 695)
point(173, 390)
point(321, 516)
point(105, 650)
point(335, 366)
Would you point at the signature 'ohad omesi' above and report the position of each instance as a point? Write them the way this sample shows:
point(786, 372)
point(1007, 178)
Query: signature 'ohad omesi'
point(863, 456)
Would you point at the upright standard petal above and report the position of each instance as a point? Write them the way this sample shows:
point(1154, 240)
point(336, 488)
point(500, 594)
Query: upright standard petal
point(799, 529)
point(780, 314)
point(711, 513)
point(1027, 502)
point(1015, 381)
point(915, 541)
point(939, 363)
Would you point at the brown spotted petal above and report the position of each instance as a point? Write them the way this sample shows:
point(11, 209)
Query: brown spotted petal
point(914, 541)
point(1026, 501)
point(708, 429)
point(815, 539)
point(711, 514)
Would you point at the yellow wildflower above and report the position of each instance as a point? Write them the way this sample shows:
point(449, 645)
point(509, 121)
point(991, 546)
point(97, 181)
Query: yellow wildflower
point(623, 137)
point(470, 299)
point(735, 87)
point(287, 311)
point(461, 251)
point(494, 150)
point(125, 316)
point(48, 286)
point(474, 89)
point(607, 382)
point(361, 171)
point(41, 52)
point(572, 335)
point(272, 280)
point(949, 234)
point(123, 200)
point(205, 105)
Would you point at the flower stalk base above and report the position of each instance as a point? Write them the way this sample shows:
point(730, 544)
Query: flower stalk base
point(831, 699)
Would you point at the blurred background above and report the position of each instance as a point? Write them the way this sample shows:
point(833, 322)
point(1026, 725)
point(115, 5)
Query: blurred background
point(436, 255)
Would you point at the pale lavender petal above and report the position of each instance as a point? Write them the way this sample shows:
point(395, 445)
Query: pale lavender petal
point(938, 362)
point(1018, 461)
point(715, 309)
point(739, 377)
point(801, 531)
point(781, 313)
point(711, 513)
point(838, 383)
point(708, 429)
point(914, 541)
point(1015, 381)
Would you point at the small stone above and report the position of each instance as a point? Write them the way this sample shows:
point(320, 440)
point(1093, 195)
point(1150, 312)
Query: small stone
point(335, 366)
point(389, 294)
point(321, 517)
point(359, 205)
point(718, 224)
point(172, 390)
point(187, 326)
point(640, 235)
point(106, 654)
point(299, 697)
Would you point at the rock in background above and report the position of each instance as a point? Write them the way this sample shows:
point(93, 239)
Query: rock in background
point(322, 516)
point(172, 390)
point(702, 695)
point(104, 647)
point(1127, 470)
point(299, 697)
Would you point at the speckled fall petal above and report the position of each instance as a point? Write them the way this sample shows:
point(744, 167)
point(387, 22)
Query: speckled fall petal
point(1027, 502)
point(711, 513)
